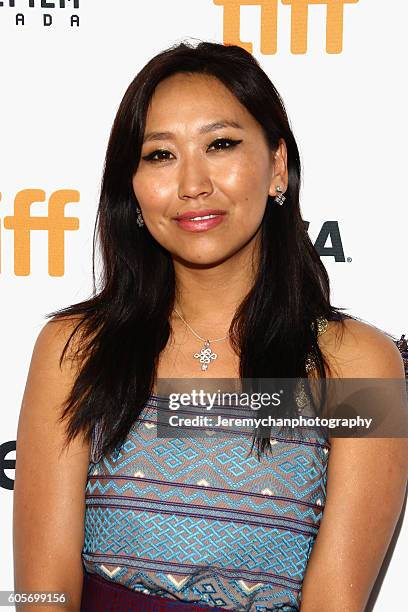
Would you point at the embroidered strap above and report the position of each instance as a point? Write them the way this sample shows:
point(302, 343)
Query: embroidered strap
point(322, 325)
point(95, 452)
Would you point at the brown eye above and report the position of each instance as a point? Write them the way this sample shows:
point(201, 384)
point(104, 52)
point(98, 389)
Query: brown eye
point(158, 155)
point(224, 143)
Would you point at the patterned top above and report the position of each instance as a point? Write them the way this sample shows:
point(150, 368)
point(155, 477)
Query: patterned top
point(203, 520)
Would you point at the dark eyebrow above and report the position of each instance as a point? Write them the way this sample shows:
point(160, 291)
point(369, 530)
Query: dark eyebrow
point(205, 129)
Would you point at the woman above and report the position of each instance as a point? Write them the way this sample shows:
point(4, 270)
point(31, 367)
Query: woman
point(202, 239)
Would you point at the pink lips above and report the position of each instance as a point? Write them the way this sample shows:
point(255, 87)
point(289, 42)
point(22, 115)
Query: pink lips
point(185, 222)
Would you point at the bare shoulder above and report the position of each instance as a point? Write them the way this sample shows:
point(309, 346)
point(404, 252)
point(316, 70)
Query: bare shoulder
point(356, 349)
point(54, 336)
point(50, 378)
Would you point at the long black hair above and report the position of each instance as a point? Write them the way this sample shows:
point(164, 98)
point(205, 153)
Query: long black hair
point(124, 325)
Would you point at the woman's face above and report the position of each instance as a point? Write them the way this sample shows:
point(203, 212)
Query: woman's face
point(202, 152)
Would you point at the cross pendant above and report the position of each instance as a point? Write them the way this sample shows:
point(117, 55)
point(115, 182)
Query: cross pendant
point(205, 355)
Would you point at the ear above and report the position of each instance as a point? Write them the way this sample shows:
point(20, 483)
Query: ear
point(280, 169)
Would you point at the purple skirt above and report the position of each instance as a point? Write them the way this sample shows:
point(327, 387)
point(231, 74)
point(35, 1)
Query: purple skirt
point(100, 595)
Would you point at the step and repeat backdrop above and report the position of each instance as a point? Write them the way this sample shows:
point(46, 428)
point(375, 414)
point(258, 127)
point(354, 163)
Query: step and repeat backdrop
point(64, 67)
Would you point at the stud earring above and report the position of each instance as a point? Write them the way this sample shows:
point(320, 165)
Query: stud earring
point(280, 198)
point(139, 219)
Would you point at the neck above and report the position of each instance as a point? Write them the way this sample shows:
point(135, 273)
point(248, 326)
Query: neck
point(208, 297)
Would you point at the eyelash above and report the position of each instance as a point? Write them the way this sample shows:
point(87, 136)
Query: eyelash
point(231, 144)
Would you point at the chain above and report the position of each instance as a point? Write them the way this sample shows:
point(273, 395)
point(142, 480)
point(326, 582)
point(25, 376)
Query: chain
point(195, 333)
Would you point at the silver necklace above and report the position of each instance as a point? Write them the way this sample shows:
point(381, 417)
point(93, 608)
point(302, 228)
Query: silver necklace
point(205, 356)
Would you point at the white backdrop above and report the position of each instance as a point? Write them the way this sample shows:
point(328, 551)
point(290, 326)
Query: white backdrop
point(60, 86)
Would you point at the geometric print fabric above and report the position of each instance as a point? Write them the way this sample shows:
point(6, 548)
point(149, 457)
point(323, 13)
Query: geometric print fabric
point(202, 520)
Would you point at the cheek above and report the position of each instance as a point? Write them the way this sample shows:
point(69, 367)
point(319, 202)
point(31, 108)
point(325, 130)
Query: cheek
point(247, 186)
point(151, 192)
point(246, 182)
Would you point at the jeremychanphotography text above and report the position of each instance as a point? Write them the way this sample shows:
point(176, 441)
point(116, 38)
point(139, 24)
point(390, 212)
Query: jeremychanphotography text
point(295, 422)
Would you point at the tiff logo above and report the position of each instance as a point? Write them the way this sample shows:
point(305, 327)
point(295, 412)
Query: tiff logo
point(55, 224)
point(299, 23)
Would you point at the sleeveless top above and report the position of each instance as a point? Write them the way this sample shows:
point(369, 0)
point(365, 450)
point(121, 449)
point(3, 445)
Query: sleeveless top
point(202, 520)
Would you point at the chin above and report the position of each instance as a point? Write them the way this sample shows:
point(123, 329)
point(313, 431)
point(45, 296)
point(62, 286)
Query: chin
point(201, 260)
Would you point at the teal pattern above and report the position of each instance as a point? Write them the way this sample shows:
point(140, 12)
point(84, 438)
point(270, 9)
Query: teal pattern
point(198, 520)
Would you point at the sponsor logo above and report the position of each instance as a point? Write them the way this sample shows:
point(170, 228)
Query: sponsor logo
point(7, 464)
point(25, 15)
point(329, 231)
point(299, 23)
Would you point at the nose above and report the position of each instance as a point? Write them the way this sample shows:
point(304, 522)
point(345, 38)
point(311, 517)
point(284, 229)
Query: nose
point(194, 179)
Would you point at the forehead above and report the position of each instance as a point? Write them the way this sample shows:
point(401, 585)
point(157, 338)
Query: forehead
point(185, 97)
